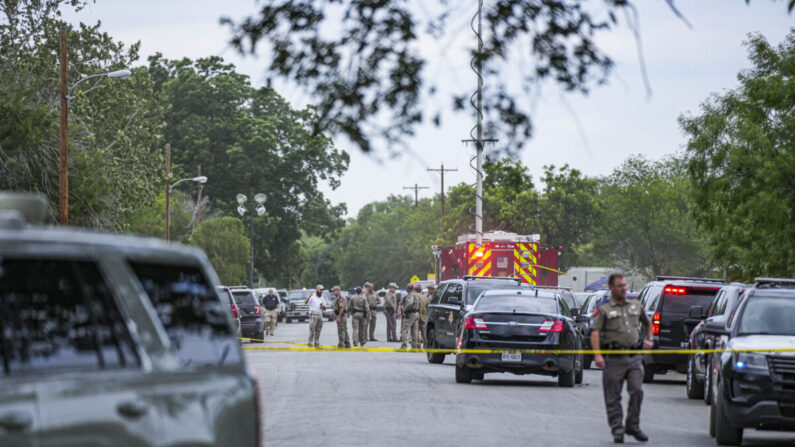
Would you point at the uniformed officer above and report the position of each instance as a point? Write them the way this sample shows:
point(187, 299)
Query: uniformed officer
point(360, 313)
point(341, 315)
point(615, 327)
point(409, 313)
point(390, 307)
point(372, 301)
point(422, 313)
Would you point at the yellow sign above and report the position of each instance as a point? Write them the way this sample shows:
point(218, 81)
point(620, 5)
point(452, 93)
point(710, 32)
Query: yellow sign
point(414, 279)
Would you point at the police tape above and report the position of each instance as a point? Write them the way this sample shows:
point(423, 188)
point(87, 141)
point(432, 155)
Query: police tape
point(333, 348)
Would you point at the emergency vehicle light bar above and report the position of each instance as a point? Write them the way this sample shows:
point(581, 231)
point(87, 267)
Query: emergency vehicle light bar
point(511, 278)
point(774, 281)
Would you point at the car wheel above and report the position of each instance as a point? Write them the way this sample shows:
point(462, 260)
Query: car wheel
point(725, 434)
point(578, 375)
point(566, 379)
point(648, 373)
point(463, 374)
point(586, 361)
point(289, 320)
point(433, 357)
point(708, 381)
point(478, 374)
point(694, 389)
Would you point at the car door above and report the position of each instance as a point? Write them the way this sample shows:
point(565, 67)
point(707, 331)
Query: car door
point(450, 314)
point(69, 339)
point(434, 310)
point(209, 400)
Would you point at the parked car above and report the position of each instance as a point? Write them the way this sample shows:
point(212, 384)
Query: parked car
point(282, 304)
point(226, 297)
point(667, 302)
point(296, 309)
point(587, 311)
point(114, 340)
point(580, 297)
point(755, 389)
point(565, 294)
point(451, 300)
point(698, 379)
point(252, 314)
point(519, 320)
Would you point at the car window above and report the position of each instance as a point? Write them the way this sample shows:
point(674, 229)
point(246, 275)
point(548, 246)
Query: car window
point(687, 297)
point(714, 304)
point(244, 298)
point(568, 298)
point(191, 313)
point(226, 295)
point(654, 298)
point(564, 308)
point(770, 316)
point(475, 288)
point(720, 306)
point(59, 315)
point(453, 290)
point(512, 303)
point(437, 295)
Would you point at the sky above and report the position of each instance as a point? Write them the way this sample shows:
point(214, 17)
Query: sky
point(593, 133)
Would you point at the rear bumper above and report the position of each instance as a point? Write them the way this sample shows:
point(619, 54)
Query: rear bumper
point(252, 327)
point(550, 364)
point(298, 314)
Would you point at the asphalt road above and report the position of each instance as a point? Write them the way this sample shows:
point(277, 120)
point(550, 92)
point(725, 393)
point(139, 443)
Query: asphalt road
point(332, 398)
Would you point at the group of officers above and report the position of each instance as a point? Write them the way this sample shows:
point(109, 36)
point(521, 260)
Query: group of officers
point(410, 308)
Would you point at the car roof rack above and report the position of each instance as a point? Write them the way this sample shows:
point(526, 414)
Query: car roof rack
point(774, 282)
point(511, 278)
point(688, 278)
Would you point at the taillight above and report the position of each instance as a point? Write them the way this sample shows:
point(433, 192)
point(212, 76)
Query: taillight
point(234, 310)
point(551, 326)
point(256, 309)
point(655, 323)
point(475, 323)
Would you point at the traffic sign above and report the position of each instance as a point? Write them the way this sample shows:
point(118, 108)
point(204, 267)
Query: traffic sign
point(414, 279)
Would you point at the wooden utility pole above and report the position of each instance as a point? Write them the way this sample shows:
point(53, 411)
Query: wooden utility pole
point(442, 170)
point(416, 189)
point(63, 189)
point(168, 187)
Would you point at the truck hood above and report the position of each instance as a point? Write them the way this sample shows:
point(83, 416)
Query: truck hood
point(764, 342)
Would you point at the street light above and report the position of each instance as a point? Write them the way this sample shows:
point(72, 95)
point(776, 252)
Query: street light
point(242, 204)
point(66, 95)
point(198, 180)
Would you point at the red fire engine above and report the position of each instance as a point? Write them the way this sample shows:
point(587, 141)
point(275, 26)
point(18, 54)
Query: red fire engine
point(500, 254)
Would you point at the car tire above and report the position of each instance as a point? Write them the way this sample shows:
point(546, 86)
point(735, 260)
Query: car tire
point(708, 381)
point(648, 373)
point(586, 361)
point(566, 379)
point(463, 374)
point(712, 420)
point(579, 372)
point(434, 357)
point(693, 389)
point(478, 374)
point(725, 434)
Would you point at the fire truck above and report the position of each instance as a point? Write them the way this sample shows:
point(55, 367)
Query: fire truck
point(500, 254)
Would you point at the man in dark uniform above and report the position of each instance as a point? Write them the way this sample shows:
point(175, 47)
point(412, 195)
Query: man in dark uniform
point(615, 327)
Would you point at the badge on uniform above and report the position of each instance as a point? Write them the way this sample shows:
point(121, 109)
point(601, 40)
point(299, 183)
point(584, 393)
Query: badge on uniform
point(612, 313)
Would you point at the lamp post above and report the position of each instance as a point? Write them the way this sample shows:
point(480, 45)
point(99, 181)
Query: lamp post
point(66, 91)
point(198, 180)
point(242, 203)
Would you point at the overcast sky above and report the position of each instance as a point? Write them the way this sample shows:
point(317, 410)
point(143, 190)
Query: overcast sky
point(684, 66)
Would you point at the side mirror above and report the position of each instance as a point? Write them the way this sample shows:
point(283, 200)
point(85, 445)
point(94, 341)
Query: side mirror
point(581, 319)
point(716, 325)
point(697, 312)
point(455, 301)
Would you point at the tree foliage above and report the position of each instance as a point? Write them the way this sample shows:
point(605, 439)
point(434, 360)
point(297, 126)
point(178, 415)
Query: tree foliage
point(741, 160)
point(227, 247)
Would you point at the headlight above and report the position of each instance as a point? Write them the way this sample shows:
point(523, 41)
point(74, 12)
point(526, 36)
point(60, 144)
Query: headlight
point(750, 362)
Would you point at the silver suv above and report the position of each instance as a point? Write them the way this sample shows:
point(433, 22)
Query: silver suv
point(112, 340)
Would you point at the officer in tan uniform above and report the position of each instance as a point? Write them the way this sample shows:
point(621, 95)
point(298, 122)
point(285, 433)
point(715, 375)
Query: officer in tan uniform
point(409, 312)
point(372, 302)
point(615, 327)
point(360, 313)
point(390, 307)
point(341, 315)
point(422, 313)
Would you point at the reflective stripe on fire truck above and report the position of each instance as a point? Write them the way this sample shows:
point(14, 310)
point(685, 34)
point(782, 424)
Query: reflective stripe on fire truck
point(525, 258)
point(479, 260)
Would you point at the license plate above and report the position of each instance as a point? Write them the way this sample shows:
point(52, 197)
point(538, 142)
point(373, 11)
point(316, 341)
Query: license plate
point(511, 357)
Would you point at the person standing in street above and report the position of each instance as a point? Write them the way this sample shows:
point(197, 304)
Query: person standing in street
point(390, 307)
point(372, 301)
point(316, 307)
point(271, 304)
point(360, 312)
point(424, 300)
point(341, 315)
point(615, 328)
point(409, 313)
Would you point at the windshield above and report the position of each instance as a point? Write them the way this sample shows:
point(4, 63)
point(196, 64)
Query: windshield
point(244, 298)
point(296, 295)
point(768, 316)
point(517, 304)
point(681, 304)
point(474, 290)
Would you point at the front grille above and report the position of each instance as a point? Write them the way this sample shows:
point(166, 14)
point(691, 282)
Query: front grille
point(782, 366)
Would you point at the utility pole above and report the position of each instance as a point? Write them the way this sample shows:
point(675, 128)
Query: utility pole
point(477, 60)
point(63, 192)
point(416, 189)
point(168, 187)
point(442, 170)
point(199, 198)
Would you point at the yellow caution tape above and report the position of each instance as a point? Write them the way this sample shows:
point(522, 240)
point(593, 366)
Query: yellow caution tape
point(305, 347)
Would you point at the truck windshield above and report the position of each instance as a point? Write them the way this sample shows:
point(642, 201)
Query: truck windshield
point(681, 302)
point(773, 316)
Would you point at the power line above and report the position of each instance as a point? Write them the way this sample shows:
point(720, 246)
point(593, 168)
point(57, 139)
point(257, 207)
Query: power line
point(442, 170)
point(416, 189)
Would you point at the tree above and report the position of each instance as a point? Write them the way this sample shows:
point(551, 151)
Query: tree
point(741, 160)
point(362, 61)
point(227, 247)
point(114, 133)
point(250, 141)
